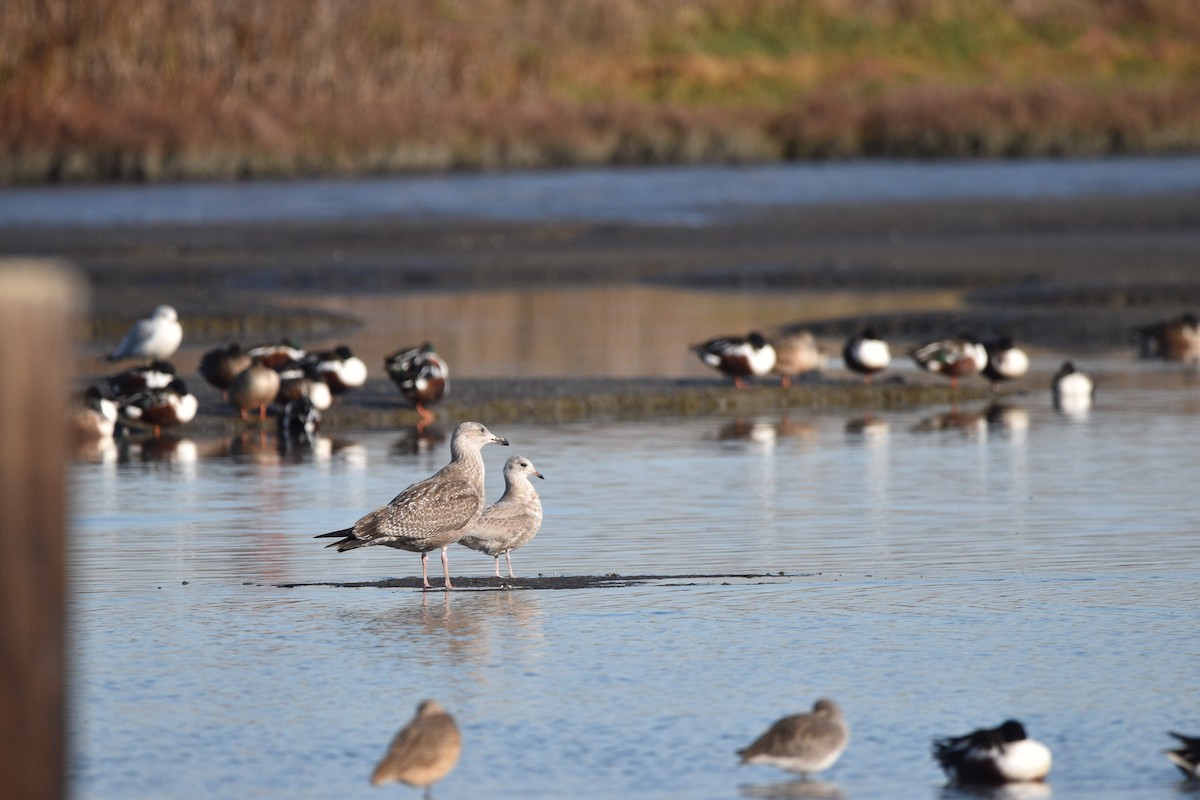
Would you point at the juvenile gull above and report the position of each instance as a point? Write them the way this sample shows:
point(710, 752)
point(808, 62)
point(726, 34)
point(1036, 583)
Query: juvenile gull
point(156, 337)
point(511, 521)
point(803, 743)
point(424, 751)
point(993, 756)
point(434, 513)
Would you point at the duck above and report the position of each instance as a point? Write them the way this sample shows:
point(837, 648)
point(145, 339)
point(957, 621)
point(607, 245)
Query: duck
point(423, 752)
point(1176, 339)
point(1073, 389)
point(276, 354)
point(155, 375)
point(866, 354)
point(959, 357)
point(254, 387)
point(738, 357)
point(803, 743)
point(1187, 755)
point(300, 379)
point(993, 756)
point(1005, 361)
point(422, 376)
point(155, 338)
point(300, 419)
point(221, 365)
point(796, 353)
point(513, 520)
point(93, 416)
point(161, 408)
point(341, 369)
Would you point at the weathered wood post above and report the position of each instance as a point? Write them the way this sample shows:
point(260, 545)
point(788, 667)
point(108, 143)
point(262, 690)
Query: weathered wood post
point(40, 303)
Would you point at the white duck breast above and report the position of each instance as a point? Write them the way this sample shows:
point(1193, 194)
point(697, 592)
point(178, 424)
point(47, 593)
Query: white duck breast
point(874, 354)
point(1025, 760)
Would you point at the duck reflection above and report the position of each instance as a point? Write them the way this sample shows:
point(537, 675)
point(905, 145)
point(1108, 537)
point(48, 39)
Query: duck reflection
point(764, 432)
point(167, 450)
point(1029, 790)
point(868, 427)
point(972, 424)
point(799, 788)
point(415, 440)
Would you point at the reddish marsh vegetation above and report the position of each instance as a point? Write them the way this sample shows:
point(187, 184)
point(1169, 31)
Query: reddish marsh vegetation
point(145, 89)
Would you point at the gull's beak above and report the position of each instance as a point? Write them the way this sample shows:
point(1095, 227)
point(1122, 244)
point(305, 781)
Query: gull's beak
point(540, 475)
point(500, 440)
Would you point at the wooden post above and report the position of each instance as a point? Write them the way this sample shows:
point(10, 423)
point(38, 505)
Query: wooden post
point(40, 303)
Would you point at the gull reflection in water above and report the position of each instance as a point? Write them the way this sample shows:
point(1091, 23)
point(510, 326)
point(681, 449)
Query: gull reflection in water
point(798, 788)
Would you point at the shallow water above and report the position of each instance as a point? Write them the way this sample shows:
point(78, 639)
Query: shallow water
point(933, 570)
point(692, 195)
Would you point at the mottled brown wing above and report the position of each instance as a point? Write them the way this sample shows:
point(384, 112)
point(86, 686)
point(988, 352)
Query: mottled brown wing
point(422, 753)
point(797, 736)
point(425, 510)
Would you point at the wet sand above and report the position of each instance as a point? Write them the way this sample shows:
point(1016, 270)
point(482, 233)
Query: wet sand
point(550, 582)
point(1067, 274)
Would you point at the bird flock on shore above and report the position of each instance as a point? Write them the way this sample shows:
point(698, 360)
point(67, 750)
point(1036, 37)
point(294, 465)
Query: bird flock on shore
point(450, 507)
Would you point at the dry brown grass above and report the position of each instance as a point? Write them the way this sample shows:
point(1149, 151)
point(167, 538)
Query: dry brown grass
point(145, 89)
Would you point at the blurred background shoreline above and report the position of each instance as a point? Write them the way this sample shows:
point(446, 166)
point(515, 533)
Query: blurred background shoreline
point(136, 90)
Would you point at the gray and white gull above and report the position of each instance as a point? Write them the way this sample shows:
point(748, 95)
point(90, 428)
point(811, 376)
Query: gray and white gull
point(434, 513)
point(511, 521)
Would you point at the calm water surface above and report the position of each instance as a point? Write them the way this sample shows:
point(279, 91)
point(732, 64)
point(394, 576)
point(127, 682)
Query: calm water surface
point(693, 195)
point(933, 570)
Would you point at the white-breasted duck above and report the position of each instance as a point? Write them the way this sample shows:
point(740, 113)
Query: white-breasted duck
point(959, 357)
point(422, 376)
point(93, 416)
point(302, 379)
point(341, 369)
point(1072, 388)
point(737, 356)
point(156, 375)
point(993, 756)
point(866, 354)
point(1005, 361)
point(161, 408)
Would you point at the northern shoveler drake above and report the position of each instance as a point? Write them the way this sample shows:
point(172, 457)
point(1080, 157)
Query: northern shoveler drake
point(803, 743)
point(422, 376)
point(511, 521)
point(161, 408)
point(423, 752)
point(276, 354)
point(221, 365)
point(1073, 388)
point(155, 338)
point(341, 369)
point(299, 419)
point(254, 387)
point(156, 375)
point(993, 756)
point(796, 354)
point(299, 379)
point(93, 416)
point(1005, 361)
point(1187, 755)
point(955, 358)
point(738, 357)
point(1176, 339)
point(866, 354)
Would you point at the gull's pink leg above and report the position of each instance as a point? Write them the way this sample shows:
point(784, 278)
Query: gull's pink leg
point(508, 558)
point(425, 569)
point(446, 567)
point(497, 565)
